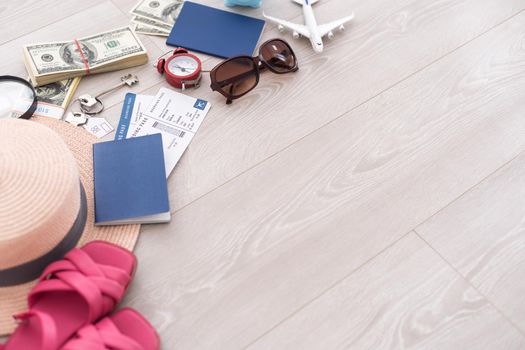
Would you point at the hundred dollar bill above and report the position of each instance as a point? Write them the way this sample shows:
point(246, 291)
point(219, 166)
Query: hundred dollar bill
point(144, 29)
point(163, 11)
point(142, 21)
point(59, 93)
point(108, 51)
point(53, 99)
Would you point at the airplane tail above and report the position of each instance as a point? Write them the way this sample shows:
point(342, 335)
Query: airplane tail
point(301, 2)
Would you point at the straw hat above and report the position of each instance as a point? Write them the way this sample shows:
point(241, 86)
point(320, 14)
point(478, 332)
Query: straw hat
point(44, 209)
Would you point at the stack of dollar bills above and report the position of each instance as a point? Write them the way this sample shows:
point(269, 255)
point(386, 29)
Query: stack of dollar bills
point(156, 17)
point(53, 99)
point(109, 51)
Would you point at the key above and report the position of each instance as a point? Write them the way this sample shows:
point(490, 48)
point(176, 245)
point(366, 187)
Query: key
point(76, 118)
point(128, 80)
point(89, 111)
point(88, 102)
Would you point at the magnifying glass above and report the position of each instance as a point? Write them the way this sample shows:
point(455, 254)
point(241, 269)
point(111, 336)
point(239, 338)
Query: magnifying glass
point(17, 98)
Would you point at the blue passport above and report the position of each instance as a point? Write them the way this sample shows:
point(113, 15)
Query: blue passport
point(130, 181)
point(215, 32)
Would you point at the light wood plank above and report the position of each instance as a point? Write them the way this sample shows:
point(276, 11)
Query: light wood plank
point(243, 258)
point(389, 41)
point(482, 235)
point(21, 17)
point(405, 298)
point(235, 263)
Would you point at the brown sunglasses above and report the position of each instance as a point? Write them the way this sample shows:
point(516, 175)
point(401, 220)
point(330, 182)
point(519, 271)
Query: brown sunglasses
point(238, 75)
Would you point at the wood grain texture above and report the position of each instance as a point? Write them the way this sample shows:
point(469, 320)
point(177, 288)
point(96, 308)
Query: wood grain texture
point(290, 189)
point(388, 41)
point(243, 258)
point(405, 298)
point(482, 235)
point(21, 17)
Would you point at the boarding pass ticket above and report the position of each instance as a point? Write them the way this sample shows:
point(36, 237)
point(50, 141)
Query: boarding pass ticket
point(175, 116)
point(132, 110)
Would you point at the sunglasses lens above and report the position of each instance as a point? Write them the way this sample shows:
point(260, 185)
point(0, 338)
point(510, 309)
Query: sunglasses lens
point(237, 76)
point(279, 56)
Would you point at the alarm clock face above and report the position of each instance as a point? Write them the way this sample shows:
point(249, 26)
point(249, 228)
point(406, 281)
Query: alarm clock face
point(183, 65)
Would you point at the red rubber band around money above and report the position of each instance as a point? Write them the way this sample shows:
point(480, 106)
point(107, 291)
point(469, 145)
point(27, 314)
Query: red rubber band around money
point(82, 56)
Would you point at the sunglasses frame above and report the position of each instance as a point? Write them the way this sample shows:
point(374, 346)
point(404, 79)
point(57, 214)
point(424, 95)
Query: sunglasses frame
point(259, 65)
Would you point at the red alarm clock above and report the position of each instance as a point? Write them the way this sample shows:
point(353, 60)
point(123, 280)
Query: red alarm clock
point(183, 70)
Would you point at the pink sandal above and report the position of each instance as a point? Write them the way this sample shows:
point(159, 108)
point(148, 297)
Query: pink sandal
point(124, 330)
point(71, 293)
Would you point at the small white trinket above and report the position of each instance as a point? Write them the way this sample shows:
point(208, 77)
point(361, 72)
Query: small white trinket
point(98, 126)
point(76, 118)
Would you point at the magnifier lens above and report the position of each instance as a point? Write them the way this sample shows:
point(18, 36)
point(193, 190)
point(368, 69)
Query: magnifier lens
point(16, 98)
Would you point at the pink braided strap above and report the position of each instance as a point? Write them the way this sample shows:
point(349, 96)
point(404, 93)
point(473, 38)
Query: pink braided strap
point(79, 260)
point(77, 272)
point(102, 336)
point(48, 331)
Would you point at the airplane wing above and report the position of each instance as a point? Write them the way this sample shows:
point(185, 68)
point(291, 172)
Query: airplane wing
point(301, 2)
point(326, 28)
point(299, 28)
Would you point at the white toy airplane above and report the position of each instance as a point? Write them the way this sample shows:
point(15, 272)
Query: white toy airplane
point(310, 29)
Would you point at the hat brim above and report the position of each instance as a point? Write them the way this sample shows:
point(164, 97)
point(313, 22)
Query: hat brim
point(14, 299)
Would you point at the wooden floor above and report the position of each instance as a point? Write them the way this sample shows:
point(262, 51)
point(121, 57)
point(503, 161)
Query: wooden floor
point(373, 200)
